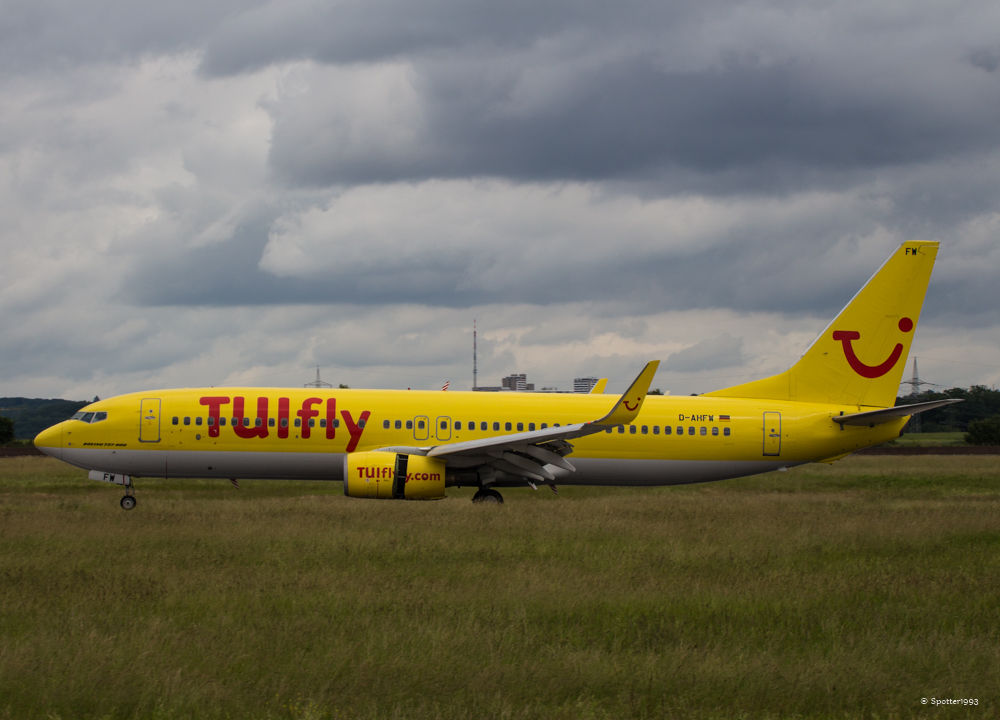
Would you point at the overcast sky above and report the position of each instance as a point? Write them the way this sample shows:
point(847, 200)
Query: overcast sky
point(219, 192)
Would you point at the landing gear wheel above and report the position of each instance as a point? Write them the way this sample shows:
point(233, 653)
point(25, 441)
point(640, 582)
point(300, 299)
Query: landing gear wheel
point(128, 502)
point(488, 495)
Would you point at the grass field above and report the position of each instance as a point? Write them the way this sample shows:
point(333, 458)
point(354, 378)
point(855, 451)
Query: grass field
point(844, 591)
point(931, 439)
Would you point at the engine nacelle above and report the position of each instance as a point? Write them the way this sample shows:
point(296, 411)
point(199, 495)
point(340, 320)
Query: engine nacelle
point(387, 475)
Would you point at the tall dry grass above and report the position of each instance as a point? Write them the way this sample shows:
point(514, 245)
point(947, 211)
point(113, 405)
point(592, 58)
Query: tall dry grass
point(846, 591)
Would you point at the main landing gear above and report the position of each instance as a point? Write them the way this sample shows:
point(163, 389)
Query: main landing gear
point(488, 495)
point(128, 502)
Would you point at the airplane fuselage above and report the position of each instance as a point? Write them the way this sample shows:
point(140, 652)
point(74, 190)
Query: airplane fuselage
point(283, 433)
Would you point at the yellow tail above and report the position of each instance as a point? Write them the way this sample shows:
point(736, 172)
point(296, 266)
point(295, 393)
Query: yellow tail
point(859, 358)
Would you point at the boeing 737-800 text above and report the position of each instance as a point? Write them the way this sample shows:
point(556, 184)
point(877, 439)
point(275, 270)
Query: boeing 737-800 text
point(392, 444)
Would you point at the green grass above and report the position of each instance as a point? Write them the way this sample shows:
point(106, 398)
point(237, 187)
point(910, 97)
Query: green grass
point(844, 591)
point(931, 439)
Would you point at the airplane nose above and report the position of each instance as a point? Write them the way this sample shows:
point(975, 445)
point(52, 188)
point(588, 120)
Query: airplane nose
point(49, 441)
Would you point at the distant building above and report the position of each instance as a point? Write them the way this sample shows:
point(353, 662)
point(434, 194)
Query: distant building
point(584, 385)
point(517, 383)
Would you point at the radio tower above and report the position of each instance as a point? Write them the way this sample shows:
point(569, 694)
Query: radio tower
point(474, 354)
point(915, 384)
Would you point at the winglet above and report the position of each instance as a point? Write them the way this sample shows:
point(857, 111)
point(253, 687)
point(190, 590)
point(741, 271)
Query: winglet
point(598, 389)
point(628, 406)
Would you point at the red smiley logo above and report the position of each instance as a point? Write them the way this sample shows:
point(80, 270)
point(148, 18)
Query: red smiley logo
point(871, 371)
point(628, 407)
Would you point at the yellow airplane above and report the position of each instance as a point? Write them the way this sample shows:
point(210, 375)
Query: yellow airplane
point(394, 444)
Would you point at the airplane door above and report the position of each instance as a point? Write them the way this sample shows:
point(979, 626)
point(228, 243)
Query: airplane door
point(149, 420)
point(421, 427)
point(772, 433)
point(442, 428)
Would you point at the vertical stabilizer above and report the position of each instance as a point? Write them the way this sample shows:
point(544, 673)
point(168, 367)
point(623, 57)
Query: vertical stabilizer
point(859, 358)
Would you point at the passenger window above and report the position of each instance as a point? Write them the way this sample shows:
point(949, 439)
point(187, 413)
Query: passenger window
point(725, 431)
point(556, 425)
point(409, 424)
point(458, 424)
point(444, 424)
point(667, 429)
point(715, 431)
point(197, 421)
point(690, 431)
point(385, 424)
point(211, 422)
point(420, 424)
point(507, 427)
point(100, 416)
point(361, 423)
point(631, 429)
point(483, 426)
point(496, 426)
point(336, 423)
point(656, 429)
point(704, 431)
point(258, 422)
point(609, 430)
point(399, 425)
point(680, 430)
point(621, 429)
point(531, 426)
point(284, 422)
point(312, 422)
point(322, 422)
point(645, 429)
point(472, 426)
point(246, 422)
point(187, 421)
point(86, 418)
point(270, 422)
point(544, 425)
point(298, 422)
point(222, 421)
point(520, 427)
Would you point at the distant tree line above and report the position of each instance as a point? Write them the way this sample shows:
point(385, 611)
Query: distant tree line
point(29, 416)
point(981, 403)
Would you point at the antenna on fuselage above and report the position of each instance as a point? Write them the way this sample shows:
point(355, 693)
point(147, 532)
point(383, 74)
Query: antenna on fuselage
point(317, 383)
point(474, 354)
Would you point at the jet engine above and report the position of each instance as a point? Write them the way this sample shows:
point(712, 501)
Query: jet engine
point(391, 476)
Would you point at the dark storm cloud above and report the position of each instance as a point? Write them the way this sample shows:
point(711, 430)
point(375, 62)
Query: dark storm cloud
point(628, 118)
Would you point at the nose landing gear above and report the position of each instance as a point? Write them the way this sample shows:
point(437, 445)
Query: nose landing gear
point(128, 502)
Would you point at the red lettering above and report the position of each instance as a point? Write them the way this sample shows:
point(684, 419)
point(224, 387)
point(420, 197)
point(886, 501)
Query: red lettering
point(282, 418)
point(331, 417)
point(252, 431)
point(306, 413)
point(214, 403)
point(355, 430)
point(361, 473)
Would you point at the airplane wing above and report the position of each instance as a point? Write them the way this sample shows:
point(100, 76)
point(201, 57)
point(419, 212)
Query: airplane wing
point(878, 417)
point(527, 454)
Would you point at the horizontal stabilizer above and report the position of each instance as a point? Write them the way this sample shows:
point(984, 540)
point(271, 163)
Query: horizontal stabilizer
point(878, 417)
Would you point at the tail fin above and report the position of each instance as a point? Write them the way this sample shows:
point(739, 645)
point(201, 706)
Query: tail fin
point(859, 358)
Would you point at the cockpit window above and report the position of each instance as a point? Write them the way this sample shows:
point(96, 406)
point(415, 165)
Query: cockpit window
point(100, 416)
point(87, 417)
point(77, 416)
